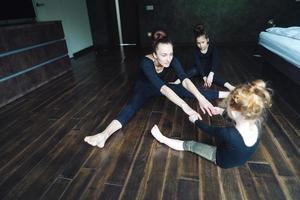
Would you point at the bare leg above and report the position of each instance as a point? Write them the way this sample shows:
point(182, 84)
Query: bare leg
point(229, 86)
point(173, 143)
point(100, 138)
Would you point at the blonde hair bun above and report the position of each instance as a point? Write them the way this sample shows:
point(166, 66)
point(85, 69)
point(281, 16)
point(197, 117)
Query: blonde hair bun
point(250, 99)
point(259, 83)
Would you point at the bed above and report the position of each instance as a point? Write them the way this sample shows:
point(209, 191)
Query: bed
point(281, 48)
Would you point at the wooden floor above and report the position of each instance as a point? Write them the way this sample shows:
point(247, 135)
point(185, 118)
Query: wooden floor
point(43, 156)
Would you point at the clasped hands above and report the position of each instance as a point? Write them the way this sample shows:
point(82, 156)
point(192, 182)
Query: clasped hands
point(208, 80)
point(205, 106)
point(195, 116)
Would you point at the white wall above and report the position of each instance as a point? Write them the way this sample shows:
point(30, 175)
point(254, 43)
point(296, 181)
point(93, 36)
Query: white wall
point(75, 21)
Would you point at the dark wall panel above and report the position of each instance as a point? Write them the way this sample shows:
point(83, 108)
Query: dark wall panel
point(227, 21)
point(20, 36)
point(30, 56)
point(20, 61)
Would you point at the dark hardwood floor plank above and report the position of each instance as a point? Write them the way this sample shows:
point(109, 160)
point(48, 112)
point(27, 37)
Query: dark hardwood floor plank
point(266, 183)
point(274, 154)
point(288, 111)
point(136, 179)
point(248, 186)
point(38, 179)
point(56, 190)
point(22, 163)
point(292, 135)
point(188, 189)
point(285, 145)
point(279, 134)
point(111, 192)
point(210, 181)
point(292, 185)
point(171, 176)
point(78, 185)
point(230, 183)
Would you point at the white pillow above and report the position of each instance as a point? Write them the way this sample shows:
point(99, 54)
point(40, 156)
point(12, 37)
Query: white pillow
point(292, 32)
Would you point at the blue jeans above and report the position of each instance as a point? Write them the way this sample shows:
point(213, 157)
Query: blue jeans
point(194, 71)
point(144, 91)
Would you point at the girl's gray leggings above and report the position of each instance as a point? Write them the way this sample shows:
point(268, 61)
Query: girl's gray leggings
point(204, 150)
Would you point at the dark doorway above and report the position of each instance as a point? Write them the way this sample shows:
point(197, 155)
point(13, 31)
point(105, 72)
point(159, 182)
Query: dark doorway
point(104, 22)
point(129, 21)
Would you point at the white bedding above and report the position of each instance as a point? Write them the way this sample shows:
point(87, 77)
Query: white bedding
point(292, 32)
point(286, 47)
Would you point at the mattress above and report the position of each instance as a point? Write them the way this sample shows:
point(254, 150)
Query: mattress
point(286, 47)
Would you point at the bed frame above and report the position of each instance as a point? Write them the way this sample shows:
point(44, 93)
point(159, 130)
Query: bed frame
point(284, 76)
point(288, 69)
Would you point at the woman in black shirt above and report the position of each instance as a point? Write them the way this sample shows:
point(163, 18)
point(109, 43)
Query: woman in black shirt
point(152, 82)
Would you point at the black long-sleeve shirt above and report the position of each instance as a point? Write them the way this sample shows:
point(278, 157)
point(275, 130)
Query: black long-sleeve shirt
point(231, 148)
point(149, 74)
point(206, 62)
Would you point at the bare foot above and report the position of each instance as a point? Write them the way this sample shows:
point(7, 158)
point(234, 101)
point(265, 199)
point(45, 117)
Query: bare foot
point(157, 134)
point(96, 140)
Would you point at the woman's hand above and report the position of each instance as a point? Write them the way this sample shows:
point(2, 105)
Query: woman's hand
point(193, 118)
point(190, 112)
point(206, 106)
point(219, 111)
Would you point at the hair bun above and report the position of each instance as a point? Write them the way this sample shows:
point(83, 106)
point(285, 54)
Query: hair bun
point(259, 83)
point(160, 34)
point(251, 99)
point(199, 28)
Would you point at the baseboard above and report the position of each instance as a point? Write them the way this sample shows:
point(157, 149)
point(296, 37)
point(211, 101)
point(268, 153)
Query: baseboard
point(84, 51)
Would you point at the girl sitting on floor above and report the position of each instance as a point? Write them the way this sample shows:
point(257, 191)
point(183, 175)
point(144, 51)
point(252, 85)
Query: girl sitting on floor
point(206, 61)
point(245, 106)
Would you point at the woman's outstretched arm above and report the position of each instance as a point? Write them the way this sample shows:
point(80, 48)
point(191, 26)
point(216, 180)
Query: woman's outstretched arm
point(204, 104)
point(172, 96)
